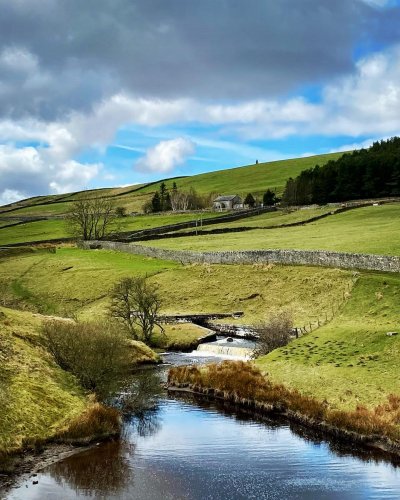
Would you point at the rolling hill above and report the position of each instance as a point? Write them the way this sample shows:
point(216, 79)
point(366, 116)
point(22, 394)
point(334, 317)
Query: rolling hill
point(252, 178)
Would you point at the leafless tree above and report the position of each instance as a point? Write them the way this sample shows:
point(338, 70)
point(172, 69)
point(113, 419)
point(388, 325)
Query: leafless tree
point(91, 219)
point(136, 303)
point(274, 333)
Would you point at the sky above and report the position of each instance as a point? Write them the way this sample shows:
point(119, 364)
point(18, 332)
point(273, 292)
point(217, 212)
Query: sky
point(101, 93)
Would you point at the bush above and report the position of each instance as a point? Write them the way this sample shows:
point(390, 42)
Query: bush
point(276, 332)
point(96, 353)
point(120, 212)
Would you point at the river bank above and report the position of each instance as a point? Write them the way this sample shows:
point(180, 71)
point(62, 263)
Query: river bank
point(190, 446)
point(243, 385)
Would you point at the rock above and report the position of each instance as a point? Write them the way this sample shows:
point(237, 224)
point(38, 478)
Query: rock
point(392, 334)
point(229, 339)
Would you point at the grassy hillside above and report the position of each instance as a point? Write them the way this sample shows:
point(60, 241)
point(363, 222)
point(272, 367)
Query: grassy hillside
point(242, 180)
point(77, 281)
point(350, 361)
point(38, 398)
point(371, 229)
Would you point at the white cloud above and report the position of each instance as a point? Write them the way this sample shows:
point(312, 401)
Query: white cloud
point(166, 155)
point(26, 171)
point(10, 196)
point(365, 103)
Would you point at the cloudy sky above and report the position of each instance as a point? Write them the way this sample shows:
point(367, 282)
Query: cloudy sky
point(114, 92)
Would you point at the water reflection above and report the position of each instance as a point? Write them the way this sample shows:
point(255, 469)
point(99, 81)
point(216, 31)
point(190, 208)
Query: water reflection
point(338, 447)
point(101, 471)
point(183, 447)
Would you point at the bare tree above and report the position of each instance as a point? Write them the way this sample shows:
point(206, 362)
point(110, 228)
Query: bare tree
point(274, 333)
point(136, 303)
point(91, 219)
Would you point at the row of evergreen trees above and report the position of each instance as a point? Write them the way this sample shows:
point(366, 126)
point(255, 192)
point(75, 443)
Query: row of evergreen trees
point(365, 173)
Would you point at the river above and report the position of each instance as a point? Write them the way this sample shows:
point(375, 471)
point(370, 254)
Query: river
point(183, 447)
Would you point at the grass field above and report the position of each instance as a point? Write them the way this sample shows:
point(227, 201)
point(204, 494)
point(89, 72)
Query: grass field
point(270, 219)
point(78, 281)
point(374, 230)
point(33, 231)
point(242, 180)
point(251, 178)
point(350, 361)
point(57, 228)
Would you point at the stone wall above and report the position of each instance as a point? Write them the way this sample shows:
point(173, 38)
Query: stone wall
point(288, 257)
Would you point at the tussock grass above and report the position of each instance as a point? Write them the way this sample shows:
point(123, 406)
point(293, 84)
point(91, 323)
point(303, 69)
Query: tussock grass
point(96, 422)
point(244, 384)
point(350, 361)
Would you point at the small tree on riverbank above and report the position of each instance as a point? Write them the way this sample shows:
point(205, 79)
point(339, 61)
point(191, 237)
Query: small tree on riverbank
point(136, 303)
point(274, 333)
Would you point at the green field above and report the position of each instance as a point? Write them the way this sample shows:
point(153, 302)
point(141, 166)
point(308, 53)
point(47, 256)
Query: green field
point(78, 281)
point(271, 219)
point(374, 230)
point(33, 231)
point(57, 228)
point(241, 180)
point(352, 348)
point(350, 361)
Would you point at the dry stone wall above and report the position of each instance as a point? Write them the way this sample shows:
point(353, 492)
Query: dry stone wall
point(288, 257)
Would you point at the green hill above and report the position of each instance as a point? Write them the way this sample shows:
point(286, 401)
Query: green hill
point(252, 178)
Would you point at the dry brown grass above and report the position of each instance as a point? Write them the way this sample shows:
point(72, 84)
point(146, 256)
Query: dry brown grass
point(243, 383)
point(96, 422)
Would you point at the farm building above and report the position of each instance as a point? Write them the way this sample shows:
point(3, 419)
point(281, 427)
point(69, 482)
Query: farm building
point(229, 202)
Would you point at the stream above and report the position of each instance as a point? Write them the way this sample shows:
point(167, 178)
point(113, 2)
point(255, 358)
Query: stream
point(185, 447)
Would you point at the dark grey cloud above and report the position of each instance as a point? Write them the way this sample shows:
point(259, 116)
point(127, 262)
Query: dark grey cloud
point(83, 50)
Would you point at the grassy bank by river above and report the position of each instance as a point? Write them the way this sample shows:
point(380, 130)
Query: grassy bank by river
point(243, 384)
point(40, 402)
point(351, 360)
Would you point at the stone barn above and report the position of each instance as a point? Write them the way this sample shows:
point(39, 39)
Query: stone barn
point(229, 202)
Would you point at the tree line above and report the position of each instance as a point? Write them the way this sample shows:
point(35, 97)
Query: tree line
point(364, 173)
point(165, 200)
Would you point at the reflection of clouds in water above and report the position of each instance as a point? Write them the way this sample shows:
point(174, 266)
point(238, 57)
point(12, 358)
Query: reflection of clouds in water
point(103, 470)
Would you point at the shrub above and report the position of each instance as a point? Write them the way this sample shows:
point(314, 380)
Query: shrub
point(96, 353)
point(120, 212)
point(276, 332)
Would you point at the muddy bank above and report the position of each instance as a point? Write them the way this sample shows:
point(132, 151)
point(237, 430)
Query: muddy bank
point(25, 465)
